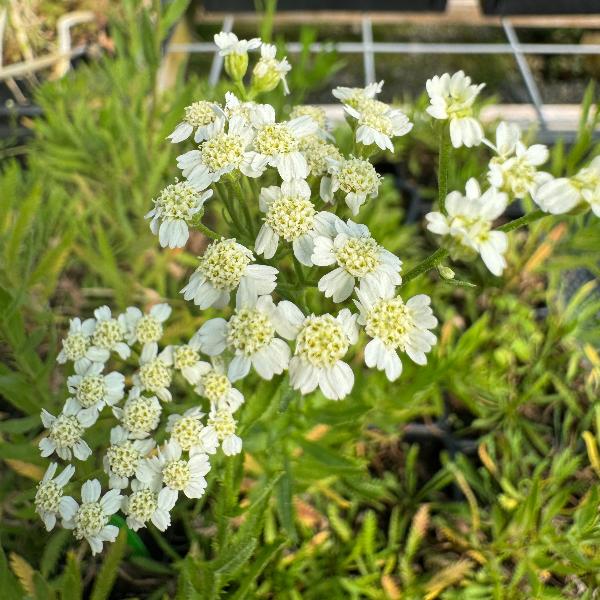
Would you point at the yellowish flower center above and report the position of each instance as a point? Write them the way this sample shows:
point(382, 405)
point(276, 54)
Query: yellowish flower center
point(224, 264)
point(75, 346)
point(176, 474)
point(47, 496)
point(185, 356)
point(91, 390)
point(141, 415)
point(176, 201)
point(316, 152)
point(222, 151)
point(223, 423)
point(66, 431)
point(358, 176)
point(215, 385)
point(249, 331)
point(291, 217)
point(108, 334)
point(389, 320)
point(155, 375)
point(89, 520)
point(275, 138)
point(186, 432)
point(358, 256)
point(321, 341)
point(123, 458)
point(200, 113)
point(142, 505)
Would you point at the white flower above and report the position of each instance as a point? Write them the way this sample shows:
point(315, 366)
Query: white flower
point(321, 343)
point(377, 123)
point(145, 504)
point(169, 470)
point(469, 224)
point(49, 496)
point(186, 359)
point(234, 107)
point(199, 116)
point(190, 433)
point(357, 97)
point(174, 211)
point(514, 170)
point(250, 334)
point(228, 43)
point(216, 386)
point(140, 415)
point(75, 346)
point(93, 391)
point(90, 519)
point(317, 114)
point(395, 326)
point(65, 433)
point(319, 154)
point(357, 256)
point(155, 372)
point(278, 144)
point(223, 425)
point(355, 177)
point(563, 194)
point(108, 336)
point(145, 328)
point(292, 216)
point(269, 71)
point(221, 153)
point(225, 266)
point(123, 457)
point(452, 99)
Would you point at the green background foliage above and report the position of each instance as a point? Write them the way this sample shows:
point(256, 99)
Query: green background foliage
point(473, 478)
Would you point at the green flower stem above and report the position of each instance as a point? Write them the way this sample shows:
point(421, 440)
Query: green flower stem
point(207, 231)
point(444, 158)
point(429, 263)
point(522, 221)
point(433, 260)
point(240, 198)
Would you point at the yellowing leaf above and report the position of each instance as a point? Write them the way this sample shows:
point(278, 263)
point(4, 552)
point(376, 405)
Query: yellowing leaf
point(24, 572)
point(592, 450)
point(25, 469)
point(447, 577)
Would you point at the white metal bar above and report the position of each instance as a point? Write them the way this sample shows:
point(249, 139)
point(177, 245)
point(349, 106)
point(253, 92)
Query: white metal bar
point(368, 55)
point(217, 63)
point(413, 48)
point(528, 78)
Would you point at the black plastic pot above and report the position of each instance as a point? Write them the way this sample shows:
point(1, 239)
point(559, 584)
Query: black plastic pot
point(540, 7)
point(330, 5)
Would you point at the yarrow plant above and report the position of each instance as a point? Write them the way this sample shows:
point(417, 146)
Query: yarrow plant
point(291, 198)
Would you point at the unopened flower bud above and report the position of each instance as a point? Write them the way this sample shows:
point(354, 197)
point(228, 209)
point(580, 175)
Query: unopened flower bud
point(445, 272)
point(236, 65)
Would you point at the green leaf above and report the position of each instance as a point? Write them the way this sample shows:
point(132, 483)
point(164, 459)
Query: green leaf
point(262, 559)
point(174, 11)
point(285, 508)
point(105, 579)
point(72, 587)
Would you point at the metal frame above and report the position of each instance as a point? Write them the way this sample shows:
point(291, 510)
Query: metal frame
point(369, 49)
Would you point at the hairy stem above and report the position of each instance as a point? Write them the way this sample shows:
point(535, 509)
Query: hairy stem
point(429, 263)
point(444, 158)
point(522, 221)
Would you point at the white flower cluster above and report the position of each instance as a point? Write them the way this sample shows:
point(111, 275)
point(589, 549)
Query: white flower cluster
point(144, 479)
point(513, 173)
point(265, 332)
point(277, 180)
